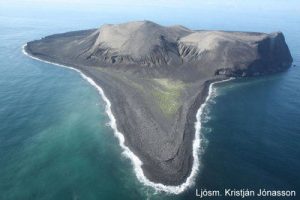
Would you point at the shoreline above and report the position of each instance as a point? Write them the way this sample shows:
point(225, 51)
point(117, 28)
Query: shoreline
point(136, 162)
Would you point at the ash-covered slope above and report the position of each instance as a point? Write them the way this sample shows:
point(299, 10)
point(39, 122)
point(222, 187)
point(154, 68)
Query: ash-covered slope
point(156, 78)
point(149, 45)
point(144, 43)
point(237, 53)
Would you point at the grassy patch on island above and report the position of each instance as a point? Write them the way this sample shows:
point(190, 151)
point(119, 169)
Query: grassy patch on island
point(167, 95)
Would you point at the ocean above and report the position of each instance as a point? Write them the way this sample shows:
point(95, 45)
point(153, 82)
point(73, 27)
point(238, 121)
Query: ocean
point(55, 141)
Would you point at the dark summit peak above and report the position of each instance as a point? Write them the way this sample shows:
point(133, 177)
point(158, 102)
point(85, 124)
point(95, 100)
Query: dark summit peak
point(138, 42)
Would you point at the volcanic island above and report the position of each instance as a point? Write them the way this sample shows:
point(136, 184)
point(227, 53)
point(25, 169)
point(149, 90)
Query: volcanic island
point(156, 77)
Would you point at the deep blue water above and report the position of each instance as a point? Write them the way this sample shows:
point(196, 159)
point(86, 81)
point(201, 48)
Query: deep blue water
point(54, 142)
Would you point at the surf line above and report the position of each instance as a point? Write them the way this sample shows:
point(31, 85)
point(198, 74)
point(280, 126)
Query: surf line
point(136, 162)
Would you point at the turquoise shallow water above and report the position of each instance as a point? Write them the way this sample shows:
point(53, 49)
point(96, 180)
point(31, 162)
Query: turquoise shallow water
point(54, 142)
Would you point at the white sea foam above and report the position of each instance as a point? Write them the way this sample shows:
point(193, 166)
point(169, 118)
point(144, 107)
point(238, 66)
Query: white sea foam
point(137, 163)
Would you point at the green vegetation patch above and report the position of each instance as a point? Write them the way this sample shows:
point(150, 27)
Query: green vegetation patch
point(167, 95)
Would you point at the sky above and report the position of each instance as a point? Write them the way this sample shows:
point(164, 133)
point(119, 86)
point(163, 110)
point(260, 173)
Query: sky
point(293, 5)
point(207, 14)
